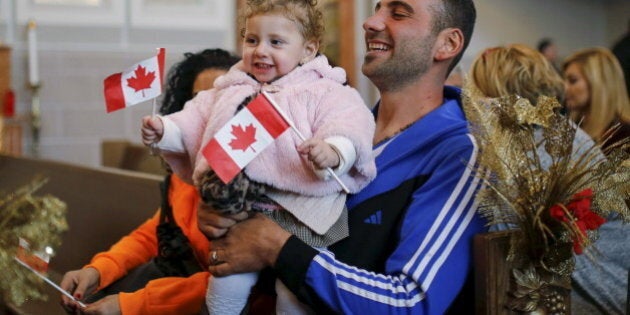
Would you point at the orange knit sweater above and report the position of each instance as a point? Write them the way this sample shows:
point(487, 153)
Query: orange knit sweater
point(171, 295)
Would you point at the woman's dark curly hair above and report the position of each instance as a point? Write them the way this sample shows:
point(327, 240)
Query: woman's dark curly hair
point(182, 75)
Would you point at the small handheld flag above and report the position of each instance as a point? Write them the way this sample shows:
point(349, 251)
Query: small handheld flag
point(243, 137)
point(37, 262)
point(54, 285)
point(139, 83)
point(241, 133)
point(284, 116)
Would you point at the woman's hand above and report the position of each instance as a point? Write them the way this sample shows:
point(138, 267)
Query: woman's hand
point(79, 283)
point(108, 305)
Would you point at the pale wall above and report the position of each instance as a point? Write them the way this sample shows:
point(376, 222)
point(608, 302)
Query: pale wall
point(75, 59)
point(573, 24)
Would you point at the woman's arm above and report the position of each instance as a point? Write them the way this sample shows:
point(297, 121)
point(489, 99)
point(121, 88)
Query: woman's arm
point(131, 251)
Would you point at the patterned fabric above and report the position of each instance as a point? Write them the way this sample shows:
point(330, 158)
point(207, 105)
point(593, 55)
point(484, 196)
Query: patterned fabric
point(233, 197)
point(243, 194)
point(337, 232)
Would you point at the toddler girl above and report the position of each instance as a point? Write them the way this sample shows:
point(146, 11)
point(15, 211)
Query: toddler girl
point(288, 180)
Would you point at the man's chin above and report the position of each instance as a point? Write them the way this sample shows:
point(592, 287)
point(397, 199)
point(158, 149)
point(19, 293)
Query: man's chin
point(368, 58)
point(370, 65)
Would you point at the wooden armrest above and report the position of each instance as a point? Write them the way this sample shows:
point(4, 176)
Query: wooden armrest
point(492, 272)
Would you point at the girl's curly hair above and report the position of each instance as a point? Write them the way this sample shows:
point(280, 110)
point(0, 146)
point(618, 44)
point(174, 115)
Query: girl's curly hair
point(304, 13)
point(182, 75)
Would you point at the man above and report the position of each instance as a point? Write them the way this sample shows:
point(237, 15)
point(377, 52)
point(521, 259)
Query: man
point(411, 229)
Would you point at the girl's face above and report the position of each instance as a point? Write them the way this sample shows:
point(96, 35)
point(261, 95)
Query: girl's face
point(273, 46)
point(576, 88)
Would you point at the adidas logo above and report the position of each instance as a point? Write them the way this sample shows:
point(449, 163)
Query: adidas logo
point(375, 218)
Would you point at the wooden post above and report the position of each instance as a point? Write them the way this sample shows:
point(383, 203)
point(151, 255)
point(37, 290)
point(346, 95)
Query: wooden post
point(5, 74)
point(10, 128)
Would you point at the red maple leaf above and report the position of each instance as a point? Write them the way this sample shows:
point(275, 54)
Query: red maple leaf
point(142, 80)
point(245, 137)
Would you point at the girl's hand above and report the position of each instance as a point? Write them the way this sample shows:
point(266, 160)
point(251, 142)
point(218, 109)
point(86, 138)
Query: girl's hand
point(320, 153)
point(152, 130)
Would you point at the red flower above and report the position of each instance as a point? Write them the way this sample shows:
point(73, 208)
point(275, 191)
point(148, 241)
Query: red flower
point(581, 216)
point(557, 212)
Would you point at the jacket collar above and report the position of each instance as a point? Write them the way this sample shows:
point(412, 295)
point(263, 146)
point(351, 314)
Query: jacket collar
point(312, 70)
point(448, 118)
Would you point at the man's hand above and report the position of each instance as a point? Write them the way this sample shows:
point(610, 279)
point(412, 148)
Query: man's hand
point(249, 246)
point(79, 283)
point(108, 305)
point(214, 224)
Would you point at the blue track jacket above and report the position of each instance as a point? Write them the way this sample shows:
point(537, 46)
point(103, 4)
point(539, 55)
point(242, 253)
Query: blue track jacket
point(411, 229)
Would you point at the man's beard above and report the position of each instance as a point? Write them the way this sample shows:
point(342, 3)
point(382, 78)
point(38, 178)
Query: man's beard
point(406, 65)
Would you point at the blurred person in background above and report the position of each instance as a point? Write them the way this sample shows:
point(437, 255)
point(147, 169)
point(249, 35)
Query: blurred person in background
point(548, 48)
point(596, 96)
point(621, 49)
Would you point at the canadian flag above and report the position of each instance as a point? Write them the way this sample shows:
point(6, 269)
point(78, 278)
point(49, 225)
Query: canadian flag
point(139, 83)
point(244, 136)
point(37, 260)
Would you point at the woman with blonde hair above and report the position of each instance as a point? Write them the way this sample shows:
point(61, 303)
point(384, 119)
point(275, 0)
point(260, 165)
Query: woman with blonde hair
point(519, 70)
point(596, 95)
point(515, 70)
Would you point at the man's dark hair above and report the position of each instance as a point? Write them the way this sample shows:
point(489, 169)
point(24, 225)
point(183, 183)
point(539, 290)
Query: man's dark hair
point(459, 14)
point(181, 77)
point(543, 44)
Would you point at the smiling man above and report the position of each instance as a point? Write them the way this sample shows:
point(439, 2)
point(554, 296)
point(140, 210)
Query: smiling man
point(411, 229)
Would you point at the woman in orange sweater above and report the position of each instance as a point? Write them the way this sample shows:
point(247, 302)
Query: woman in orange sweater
point(167, 295)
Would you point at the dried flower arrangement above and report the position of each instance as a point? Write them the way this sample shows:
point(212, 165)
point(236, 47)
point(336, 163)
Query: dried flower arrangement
point(38, 219)
point(553, 194)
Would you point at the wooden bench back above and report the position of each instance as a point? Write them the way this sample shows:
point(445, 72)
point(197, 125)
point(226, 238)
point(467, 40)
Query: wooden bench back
point(103, 204)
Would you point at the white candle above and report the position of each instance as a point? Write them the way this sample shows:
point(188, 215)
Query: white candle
point(33, 69)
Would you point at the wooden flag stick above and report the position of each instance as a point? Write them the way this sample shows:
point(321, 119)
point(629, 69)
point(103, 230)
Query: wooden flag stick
point(154, 110)
point(153, 149)
point(284, 116)
point(161, 52)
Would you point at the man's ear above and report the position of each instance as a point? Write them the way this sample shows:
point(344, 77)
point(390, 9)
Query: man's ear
point(450, 42)
point(311, 48)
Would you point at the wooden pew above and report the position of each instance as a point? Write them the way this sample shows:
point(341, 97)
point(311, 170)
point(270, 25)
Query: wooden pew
point(493, 274)
point(130, 156)
point(104, 204)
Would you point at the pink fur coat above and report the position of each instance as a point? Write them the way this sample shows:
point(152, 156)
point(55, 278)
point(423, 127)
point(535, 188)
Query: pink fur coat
point(313, 97)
